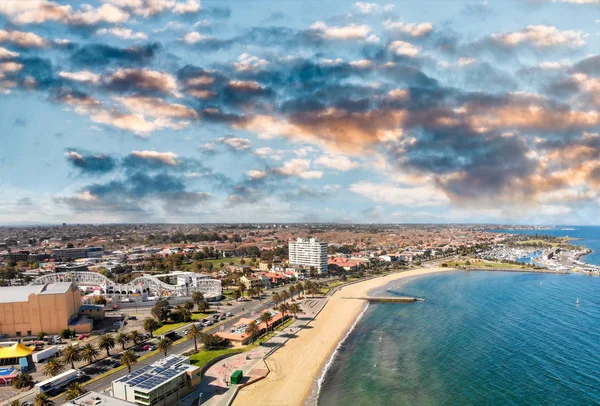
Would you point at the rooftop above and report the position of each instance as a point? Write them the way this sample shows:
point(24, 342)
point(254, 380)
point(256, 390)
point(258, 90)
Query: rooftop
point(97, 399)
point(148, 377)
point(11, 294)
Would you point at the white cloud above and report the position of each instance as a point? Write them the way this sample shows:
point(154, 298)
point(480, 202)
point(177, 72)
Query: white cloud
point(23, 39)
point(240, 144)
point(466, 61)
point(362, 64)
point(147, 8)
point(542, 36)
point(124, 33)
point(398, 94)
point(5, 53)
point(373, 8)
point(194, 37)
point(419, 196)
point(264, 152)
point(349, 32)
point(40, 11)
point(81, 76)
point(168, 158)
point(245, 85)
point(155, 107)
point(298, 167)
point(146, 79)
point(403, 48)
point(190, 6)
point(247, 62)
point(340, 162)
point(256, 174)
point(412, 29)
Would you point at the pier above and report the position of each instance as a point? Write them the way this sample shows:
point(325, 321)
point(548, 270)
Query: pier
point(388, 299)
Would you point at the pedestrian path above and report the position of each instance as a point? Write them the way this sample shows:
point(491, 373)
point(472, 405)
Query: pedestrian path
point(215, 389)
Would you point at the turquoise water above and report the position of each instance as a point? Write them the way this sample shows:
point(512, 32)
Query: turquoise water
point(590, 238)
point(481, 338)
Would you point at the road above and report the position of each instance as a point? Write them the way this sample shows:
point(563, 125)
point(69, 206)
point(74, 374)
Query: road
point(255, 306)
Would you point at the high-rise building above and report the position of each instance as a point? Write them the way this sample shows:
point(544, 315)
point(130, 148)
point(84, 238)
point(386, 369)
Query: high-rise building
point(308, 253)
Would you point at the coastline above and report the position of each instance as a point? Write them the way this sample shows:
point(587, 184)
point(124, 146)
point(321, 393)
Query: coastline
point(295, 367)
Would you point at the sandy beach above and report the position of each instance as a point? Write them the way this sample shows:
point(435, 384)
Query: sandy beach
point(296, 366)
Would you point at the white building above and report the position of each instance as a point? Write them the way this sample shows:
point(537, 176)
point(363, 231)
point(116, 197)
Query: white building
point(308, 253)
point(164, 382)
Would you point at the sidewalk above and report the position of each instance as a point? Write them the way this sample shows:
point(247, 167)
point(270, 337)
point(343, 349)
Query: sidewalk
point(212, 389)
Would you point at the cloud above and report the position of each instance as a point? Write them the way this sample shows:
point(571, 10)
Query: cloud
point(298, 167)
point(373, 8)
point(124, 33)
point(256, 174)
point(344, 33)
point(541, 36)
point(420, 196)
point(102, 55)
point(142, 79)
point(90, 163)
point(340, 162)
point(155, 107)
point(240, 144)
point(81, 76)
point(23, 39)
point(403, 48)
point(148, 8)
point(247, 62)
point(167, 158)
point(40, 11)
point(7, 54)
point(412, 29)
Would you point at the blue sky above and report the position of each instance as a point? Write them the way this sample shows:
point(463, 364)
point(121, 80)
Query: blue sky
point(189, 111)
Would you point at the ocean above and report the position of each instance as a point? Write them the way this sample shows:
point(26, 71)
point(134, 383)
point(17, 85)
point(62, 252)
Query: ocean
point(590, 238)
point(481, 338)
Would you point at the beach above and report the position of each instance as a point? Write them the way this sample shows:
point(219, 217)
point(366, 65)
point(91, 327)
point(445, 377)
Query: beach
point(295, 367)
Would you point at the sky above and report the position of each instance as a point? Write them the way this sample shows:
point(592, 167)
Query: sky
point(184, 111)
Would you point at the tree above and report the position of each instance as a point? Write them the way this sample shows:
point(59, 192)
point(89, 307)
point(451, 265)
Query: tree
point(123, 339)
point(107, 342)
point(160, 310)
point(74, 390)
point(237, 295)
point(42, 400)
point(150, 325)
point(71, 354)
point(194, 334)
point(89, 353)
point(241, 288)
point(66, 333)
point(295, 309)
point(128, 359)
point(189, 305)
point(135, 336)
point(283, 308)
point(292, 290)
point(252, 329)
point(41, 335)
point(164, 345)
point(213, 341)
point(266, 318)
point(203, 307)
point(53, 367)
point(276, 298)
point(252, 292)
point(100, 300)
point(15, 402)
point(197, 297)
point(22, 381)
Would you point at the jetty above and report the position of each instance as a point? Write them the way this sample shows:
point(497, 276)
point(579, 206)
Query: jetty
point(388, 299)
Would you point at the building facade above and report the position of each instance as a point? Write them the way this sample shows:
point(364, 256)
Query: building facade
point(71, 254)
point(52, 307)
point(309, 253)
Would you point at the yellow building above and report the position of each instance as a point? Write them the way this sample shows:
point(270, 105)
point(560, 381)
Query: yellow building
point(29, 310)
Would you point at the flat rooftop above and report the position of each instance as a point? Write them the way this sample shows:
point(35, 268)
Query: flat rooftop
point(149, 377)
point(97, 399)
point(12, 294)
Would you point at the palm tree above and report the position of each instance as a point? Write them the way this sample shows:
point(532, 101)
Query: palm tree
point(203, 307)
point(53, 367)
point(241, 288)
point(292, 290)
point(89, 353)
point(295, 309)
point(266, 317)
point(189, 305)
point(128, 359)
point(194, 334)
point(15, 402)
point(74, 390)
point(23, 380)
point(123, 339)
point(150, 324)
point(251, 292)
point(237, 295)
point(135, 336)
point(107, 342)
point(70, 355)
point(283, 308)
point(276, 298)
point(164, 345)
point(197, 297)
point(42, 400)
point(252, 329)
point(285, 295)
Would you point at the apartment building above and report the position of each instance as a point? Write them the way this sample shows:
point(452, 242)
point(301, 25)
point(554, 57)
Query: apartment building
point(71, 254)
point(309, 253)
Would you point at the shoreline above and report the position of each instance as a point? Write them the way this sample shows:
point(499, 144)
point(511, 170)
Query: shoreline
point(296, 366)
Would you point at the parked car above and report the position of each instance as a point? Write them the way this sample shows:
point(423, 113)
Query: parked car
point(185, 332)
point(83, 336)
point(132, 318)
point(115, 364)
point(229, 314)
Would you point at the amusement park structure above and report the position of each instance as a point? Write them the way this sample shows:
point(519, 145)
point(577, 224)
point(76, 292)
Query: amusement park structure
point(180, 284)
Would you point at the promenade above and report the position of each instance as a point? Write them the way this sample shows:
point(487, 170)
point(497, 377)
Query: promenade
point(213, 389)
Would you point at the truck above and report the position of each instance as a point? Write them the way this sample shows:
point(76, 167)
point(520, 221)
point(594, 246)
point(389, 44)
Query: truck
point(54, 385)
point(41, 356)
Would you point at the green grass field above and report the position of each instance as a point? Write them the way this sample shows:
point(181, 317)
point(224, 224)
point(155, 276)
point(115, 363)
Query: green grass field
point(199, 316)
point(216, 262)
point(484, 264)
point(203, 357)
point(165, 328)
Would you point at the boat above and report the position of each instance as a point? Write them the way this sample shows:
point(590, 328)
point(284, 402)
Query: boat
point(577, 302)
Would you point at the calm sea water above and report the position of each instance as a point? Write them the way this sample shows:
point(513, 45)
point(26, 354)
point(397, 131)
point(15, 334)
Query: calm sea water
point(481, 338)
point(590, 238)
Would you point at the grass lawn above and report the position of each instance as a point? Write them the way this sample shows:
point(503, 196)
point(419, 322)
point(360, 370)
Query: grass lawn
point(216, 262)
point(203, 357)
point(168, 327)
point(485, 264)
point(199, 316)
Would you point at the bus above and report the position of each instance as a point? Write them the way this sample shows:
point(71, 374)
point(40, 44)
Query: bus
point(55, 384)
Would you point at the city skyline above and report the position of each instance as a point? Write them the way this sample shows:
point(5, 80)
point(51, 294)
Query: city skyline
point(190, 112)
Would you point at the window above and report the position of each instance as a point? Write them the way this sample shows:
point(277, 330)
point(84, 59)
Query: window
point(18, 334)
point(28, 332)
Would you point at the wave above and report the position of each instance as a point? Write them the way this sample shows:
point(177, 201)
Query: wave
point(335, 352)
